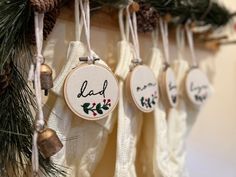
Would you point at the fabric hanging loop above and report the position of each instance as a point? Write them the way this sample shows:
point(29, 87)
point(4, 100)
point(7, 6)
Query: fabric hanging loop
point(165, 39)
point(155, 38)
point(134, 34)
point(124, 47)
point(78, 21)
point(180, 40)
point(121, 24)
point(40, 117)
point(85, 12)
point(124, 28)
point(191, 45)
point(71, 56)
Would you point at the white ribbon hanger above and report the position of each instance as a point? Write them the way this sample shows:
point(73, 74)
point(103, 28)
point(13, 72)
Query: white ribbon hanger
point(39, 122)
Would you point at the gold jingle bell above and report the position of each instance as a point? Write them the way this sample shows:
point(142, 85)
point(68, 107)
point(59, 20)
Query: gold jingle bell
point(46, 78)
point(48, 142)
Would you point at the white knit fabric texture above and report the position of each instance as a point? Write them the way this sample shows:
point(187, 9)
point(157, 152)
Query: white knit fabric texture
point(76, 49)
point(129, 119)
point(161, 154)
point(177, 123)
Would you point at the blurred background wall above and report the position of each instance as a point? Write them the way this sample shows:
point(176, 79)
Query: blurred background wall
point(212, 142)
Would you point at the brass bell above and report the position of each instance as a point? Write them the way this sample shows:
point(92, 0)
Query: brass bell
point(48, 142)
point(46, 78)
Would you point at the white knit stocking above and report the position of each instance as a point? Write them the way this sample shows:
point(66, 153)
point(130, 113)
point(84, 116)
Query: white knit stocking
point(129, 118)
point(161, 154)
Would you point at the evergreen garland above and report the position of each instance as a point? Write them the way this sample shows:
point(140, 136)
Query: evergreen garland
point(113, 3)
point(14, 17)
point(16, 119)
point(163, 6)
point(16, 129)
point(202, 12)
point(218, 16)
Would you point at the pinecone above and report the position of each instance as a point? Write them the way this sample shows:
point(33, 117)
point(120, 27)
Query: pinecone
point(43, 6)
point(5, 78)
point(49, 23)
point(147, 17)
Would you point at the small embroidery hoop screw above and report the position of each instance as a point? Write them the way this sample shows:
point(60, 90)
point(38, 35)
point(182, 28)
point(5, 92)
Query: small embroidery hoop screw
point(88, 60)
point(134, 63)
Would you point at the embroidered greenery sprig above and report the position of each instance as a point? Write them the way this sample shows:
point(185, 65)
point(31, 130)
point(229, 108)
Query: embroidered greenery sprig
point(149, 102)
point(97, 108)
point(200, 98)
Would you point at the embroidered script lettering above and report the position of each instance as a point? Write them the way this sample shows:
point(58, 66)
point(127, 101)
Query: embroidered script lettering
point(146, 86)
point(84, 93)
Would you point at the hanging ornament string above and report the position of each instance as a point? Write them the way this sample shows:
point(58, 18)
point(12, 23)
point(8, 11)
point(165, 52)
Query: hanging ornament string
point(78, 21)
point(191, 45)
point(124, 28)
point(121, 24)
point(134, 34)
point(85, 11)
point(155, 37)
point(180, 40)
point(40, 117)
point(164, 33)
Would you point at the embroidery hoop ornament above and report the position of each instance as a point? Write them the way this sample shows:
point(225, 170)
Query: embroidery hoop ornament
point(141, 84)
point(170, 99)
point(195, 76)
point(168, 86)
point(91, 90)
point(91, 108)
point(148, 100)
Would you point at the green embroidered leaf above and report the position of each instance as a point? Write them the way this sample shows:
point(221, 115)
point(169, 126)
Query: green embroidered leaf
point(105, 107)
point(149, 102)
point(142, 101)
point(86, 105)
point(100, 111)
point(85, 110)
point(98, 107)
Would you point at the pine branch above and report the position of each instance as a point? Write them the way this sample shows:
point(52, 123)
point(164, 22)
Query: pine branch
point(218, 16)
point(114, 3)
point(16, 126)
point(14, 18)
point(163, 6)
point(203, 12)
point(16, 129)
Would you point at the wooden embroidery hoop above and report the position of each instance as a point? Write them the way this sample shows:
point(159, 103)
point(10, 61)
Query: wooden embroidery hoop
point(98, 66)
point(129, 87)
point(195, 74)
point(165, 94)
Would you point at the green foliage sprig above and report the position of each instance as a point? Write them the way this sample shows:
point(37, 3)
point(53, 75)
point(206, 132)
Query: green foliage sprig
point(16, 130)
point(203, 12)
point(14, 18)
point(16, 119)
